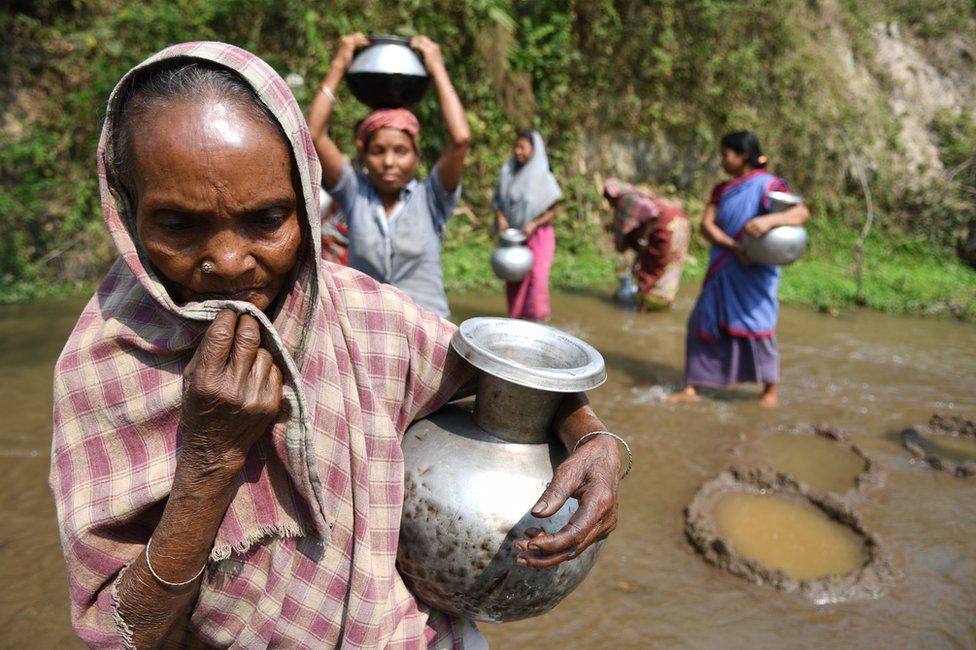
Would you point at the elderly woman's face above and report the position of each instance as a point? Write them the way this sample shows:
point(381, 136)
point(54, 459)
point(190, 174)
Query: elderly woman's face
point(214, 190)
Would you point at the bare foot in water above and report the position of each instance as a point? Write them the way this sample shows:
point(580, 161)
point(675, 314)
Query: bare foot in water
point(684, 396)
point(770, 397)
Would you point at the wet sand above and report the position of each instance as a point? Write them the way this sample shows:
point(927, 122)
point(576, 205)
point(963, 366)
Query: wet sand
point(869, 374)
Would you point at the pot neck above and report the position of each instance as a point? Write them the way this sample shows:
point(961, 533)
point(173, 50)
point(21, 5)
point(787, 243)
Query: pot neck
point(514, 413)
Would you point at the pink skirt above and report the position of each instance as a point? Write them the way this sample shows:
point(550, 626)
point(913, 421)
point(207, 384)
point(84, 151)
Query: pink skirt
point(529, 298)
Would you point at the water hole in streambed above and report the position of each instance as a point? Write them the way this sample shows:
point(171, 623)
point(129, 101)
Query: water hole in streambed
point(788, 534)
point(823, 458)
point(944, 443)
point(765, 526)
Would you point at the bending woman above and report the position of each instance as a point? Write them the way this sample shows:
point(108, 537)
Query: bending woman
point(396, 223)
point(228, 411)
point(732, 330)
point(525, 198)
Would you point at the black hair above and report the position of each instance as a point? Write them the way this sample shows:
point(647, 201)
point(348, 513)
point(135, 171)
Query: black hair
point(171, 81)
point(746, 143)
point(524, 135)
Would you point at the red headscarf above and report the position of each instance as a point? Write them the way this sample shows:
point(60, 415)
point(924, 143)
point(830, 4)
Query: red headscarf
point(390, 118)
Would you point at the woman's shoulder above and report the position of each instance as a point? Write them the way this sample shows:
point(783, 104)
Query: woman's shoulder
point(365, 301)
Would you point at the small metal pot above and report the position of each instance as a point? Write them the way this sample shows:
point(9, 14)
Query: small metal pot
point(782, 245)
point(626, 293)
point(388, 74)
point(512, 259)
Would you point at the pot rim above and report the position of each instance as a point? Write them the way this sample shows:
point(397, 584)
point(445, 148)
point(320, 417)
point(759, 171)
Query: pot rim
point(468, 342)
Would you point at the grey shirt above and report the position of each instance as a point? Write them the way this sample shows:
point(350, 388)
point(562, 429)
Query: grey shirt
point(404, 248)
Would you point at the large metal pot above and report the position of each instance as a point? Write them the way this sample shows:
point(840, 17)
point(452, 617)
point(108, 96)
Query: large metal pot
point(388, 74)
point(782, 245)
point(471, 481)
point(512, 260)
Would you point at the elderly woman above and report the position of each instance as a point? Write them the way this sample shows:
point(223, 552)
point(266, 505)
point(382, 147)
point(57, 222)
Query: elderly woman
point(396, 223)
point(658, 232)
point(226, 462)
point(732, 330)
point(525, 198)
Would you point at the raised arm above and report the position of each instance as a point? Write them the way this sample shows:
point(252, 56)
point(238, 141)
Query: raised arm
point(321, 111)
point(451, 163)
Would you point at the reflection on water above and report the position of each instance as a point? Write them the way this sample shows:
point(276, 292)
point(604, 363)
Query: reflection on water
point(782, 533)
point(958, 449)
point(815, 460)
point(869, 374)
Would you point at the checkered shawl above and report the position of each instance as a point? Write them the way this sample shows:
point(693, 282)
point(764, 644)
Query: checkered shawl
point(305, 555)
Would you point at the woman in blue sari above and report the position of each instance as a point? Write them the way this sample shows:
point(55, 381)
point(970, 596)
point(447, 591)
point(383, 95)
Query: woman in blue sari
point(732, 330)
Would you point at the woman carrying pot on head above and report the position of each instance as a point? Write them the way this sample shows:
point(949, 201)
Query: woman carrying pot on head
point(396, 222)
point(228, 410)
point(658, 231)
point(526, 198)
point(732, 330)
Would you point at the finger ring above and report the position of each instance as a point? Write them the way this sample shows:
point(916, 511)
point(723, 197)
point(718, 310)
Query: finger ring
point(207, 268)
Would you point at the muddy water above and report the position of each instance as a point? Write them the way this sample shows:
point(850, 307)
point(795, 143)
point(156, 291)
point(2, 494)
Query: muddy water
point(817, 461)
point(866, 373)
point(782, 533)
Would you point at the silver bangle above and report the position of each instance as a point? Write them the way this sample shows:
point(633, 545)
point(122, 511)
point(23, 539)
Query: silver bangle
point(167, 582)
point(630, 455)
point(328, 93)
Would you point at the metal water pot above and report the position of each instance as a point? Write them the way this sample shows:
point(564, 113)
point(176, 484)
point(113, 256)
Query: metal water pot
point(470, 480)
point(782, 245)
point(388, 74)
point(626, 293)
point(512, 259)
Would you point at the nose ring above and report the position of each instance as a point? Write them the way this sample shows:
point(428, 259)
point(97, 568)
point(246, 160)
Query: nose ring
point(207, 268)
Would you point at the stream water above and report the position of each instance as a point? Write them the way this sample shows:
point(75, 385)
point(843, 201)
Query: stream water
point(867, 373)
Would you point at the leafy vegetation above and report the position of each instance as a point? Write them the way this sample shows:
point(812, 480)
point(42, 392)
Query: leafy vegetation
point(670, 74)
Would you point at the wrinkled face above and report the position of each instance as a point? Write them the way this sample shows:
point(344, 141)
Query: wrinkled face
point(391, 161)
point(733, 163)
point(213, 184)
point(523, 151)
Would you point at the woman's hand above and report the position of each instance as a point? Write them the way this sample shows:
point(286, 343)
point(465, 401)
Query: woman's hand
point(591, 475)
point(740, 254)
point(348, 45)
point(759, 226)
point(431, 51)
point(231, 394)
point(529, 229)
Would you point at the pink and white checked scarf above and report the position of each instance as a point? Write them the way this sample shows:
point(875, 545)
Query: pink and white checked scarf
point(305, 555)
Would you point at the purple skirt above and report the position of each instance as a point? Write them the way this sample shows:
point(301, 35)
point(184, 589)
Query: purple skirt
point(730, 359)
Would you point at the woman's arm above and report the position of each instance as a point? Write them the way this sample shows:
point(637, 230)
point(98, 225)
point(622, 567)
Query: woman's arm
point(591, 474)
point(795, 216)
point(502, 221)
point(232, 394)
point(451, 163)
point(318, 115)
point(712, 232)
point(543, 219)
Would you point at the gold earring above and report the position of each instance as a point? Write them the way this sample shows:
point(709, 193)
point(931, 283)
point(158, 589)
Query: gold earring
point(207, 268)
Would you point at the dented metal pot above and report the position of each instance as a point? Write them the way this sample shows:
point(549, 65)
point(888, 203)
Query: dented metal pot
point(471, 479)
